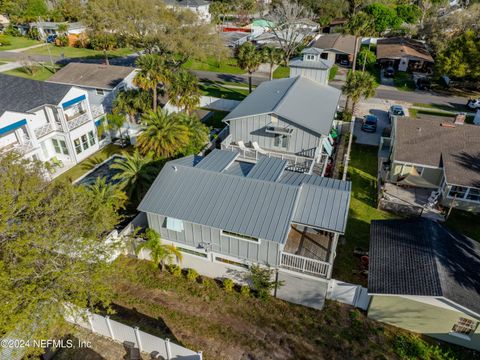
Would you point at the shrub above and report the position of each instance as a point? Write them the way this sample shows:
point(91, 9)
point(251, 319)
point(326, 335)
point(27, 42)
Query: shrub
point(192, 274)
point(261, 278)
point(412, 347)
point(245, 290)
point(333, 72)
point(4, 41)
point(228, 284)
point(12, 31)
point(175, 270)
point(346, 116)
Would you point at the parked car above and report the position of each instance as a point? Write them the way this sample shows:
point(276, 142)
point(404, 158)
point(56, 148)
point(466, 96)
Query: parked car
point(395, 110)
point(423, 83)
point(344, 62)
point(51, 39)
point(389, 72)
point(473, 104)
point(369, 123)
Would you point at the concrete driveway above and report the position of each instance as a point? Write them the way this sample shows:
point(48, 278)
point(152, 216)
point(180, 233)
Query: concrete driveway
point(367, 138)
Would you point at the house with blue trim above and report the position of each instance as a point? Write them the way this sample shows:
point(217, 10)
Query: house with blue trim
point(47, 122)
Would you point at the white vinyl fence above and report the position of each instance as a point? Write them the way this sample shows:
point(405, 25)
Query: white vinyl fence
point(148, 343)
point(347, 293)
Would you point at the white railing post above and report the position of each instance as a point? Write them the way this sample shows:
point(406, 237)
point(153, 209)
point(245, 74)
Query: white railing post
point(90, 320)
point(200, 355)
point(167, 349)
point(136, 330)
point(109, 326)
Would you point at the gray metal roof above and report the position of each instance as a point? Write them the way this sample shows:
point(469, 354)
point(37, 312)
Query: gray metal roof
point(298, 100)
point(268, 168)
point(22, 95)
point(297, 179)
point(256, 205)
point(321, 64)
point(420, 257)
point(218, 160)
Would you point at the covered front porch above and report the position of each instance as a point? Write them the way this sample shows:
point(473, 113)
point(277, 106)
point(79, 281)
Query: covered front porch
point(307, 250)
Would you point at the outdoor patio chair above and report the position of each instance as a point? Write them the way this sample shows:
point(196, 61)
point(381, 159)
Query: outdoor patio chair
point(258, 148)
point(55, 161)
point(241, 145)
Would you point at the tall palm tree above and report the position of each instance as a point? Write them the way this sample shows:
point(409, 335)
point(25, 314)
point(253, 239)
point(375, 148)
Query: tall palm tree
point(160, 253)
point(358, 25)
point(115, 122)
point(249, 59)
point(153, 71)
point(184, 91)
point(273, 56)
point(108, 193)
point(357, 85)
point(164, 136)
point(136, 174)
point(132, 103)
point(199, 132)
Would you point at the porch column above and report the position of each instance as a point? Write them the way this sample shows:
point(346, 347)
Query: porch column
point(333, 253)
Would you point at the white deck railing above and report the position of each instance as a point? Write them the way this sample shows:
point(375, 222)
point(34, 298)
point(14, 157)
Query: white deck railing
point(44, 130)
point(304, 264)
point(79, 120)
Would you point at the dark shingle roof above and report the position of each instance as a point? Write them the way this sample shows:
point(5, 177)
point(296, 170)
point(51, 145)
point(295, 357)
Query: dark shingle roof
point(400, 47)
point(21, 95)
point(427, 142)
point(337, 42)
point(421, 257)
point(91, 75)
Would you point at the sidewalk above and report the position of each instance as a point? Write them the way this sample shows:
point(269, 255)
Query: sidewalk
point(26, 48)
point(9, 66)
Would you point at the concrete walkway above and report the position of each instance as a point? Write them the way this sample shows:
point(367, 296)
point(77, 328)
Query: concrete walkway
point(26, 48)
point(9, 66)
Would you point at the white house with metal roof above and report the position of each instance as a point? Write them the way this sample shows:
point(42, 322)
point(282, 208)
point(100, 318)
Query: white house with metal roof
point(226, 214)
point(288, 118)
point(45, 121)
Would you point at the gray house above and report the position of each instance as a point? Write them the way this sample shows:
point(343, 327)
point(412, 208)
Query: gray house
point(288, 118)
point(226, 215)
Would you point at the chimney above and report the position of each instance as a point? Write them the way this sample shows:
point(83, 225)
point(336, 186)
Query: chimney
point(460, 119)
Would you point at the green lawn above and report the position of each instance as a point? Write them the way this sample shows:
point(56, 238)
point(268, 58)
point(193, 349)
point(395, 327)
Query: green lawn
point(215, 120)
point(89, 163)
point(362, 172)
point(17, 42)
point(220, 91)
point(404, 81)
point(72, 52)
point(41, 73)
point(228, 66)
point(465, 223)
point(202, 315)
point(281, 72)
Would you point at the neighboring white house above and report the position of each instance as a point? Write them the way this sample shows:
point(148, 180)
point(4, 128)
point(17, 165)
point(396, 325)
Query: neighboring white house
point(47, 122)
point(47, 28)
point(199, 7)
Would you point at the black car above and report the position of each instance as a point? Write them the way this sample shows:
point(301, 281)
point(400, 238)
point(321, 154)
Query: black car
point(389, 72)
point(369, 123)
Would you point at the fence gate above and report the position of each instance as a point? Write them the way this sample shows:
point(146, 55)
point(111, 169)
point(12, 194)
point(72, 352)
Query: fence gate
point(347, 293)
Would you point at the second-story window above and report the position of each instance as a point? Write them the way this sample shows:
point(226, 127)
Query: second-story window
point(310, 57)
point(281, 141)
point(91, 138)
point(78, 147)
point(84, 142)
point(100, 91)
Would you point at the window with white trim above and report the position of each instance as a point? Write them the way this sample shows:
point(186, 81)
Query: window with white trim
point(63, 146)
point(465, 326)
point(91, 138)
point(56, 145)
point(84, 142)
point(78, 147)
point(457, 191)
point(100, 91)
point(174, 224)
point(473, 194)
point(310, 57)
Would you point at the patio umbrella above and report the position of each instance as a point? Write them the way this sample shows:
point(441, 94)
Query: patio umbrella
point(415, 179)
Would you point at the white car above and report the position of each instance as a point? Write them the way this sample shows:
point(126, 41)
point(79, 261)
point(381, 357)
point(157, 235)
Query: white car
point(473, 104)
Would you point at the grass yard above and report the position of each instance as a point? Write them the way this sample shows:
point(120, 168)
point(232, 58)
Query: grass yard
point(228, 65)
point(17, 42)
point(404, 81)
point(362, 172)
point(281, 72)
point(42, 73)
point(465, 223)
point(201, 315)
point(215, 120)
point(220, 91)
point(89, 163)
point(72, 52)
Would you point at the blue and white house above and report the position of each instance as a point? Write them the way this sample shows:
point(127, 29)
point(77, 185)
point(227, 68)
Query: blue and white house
point(47, 122)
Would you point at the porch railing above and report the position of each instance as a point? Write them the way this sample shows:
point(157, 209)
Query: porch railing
point(78, 121)
point(295, 162)
point(97, 111)
point(44, 130)
point(24, 147)
point(304, 264)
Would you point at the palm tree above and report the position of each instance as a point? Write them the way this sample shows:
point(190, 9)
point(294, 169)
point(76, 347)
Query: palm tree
point(136, 173)
point(153, 71)
point(184, 91)
point(164, 136)
point(160, 253)
point(198, 132)
point(272, 56)
point(358, 84)
point(115, 122)
point(108, 193)
point(358, 25)
point(249, 59)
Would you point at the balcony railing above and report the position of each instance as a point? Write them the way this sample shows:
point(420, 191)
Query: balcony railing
point(24, 148)
point(97, 111)
point(44, 130)
point(304, 264)
point(78, 121)
point(295, 162)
